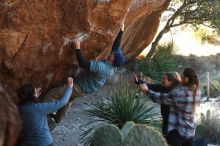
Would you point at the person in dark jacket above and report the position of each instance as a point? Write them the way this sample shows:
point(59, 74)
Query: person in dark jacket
point(168, 82)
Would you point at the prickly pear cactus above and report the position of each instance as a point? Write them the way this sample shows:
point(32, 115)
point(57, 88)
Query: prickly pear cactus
point(107, 135)
point(130, 135)
point(141, 135)
point(126, 128)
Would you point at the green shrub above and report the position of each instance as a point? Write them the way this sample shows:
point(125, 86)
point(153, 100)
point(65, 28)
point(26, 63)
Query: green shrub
point(213, 89)
point(162, 61)
point(120, 106)
point(209, 127)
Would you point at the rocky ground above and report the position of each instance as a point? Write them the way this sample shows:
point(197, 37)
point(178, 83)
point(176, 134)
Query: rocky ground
point(67, 133)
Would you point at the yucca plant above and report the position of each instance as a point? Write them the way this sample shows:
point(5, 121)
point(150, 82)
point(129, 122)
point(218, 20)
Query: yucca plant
point(121, 105)
point(162, 61)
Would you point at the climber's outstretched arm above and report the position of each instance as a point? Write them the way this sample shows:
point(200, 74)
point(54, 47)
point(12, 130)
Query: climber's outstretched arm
point(117, 42)
point(82, 62)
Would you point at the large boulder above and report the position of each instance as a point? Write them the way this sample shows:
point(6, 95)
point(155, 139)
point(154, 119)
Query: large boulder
point(34, 35)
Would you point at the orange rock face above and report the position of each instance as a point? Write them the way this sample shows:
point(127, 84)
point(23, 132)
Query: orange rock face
point(34, 35)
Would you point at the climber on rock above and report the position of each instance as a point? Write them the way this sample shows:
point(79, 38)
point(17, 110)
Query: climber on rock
point(95, 77)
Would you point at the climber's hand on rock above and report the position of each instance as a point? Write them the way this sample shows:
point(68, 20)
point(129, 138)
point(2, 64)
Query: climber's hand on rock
point(76, 43)
point(123, 25)
point(37, 92)
point(70, 82)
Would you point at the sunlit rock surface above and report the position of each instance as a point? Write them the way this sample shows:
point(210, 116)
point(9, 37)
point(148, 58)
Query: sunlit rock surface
point(34, 35)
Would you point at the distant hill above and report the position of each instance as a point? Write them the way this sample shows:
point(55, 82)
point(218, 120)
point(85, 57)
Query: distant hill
point(201, 64)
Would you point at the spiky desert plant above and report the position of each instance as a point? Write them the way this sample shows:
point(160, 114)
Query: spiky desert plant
point(122, 105)
point(162, 61)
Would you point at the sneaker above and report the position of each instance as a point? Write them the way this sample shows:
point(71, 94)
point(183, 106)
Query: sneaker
point(54, 117)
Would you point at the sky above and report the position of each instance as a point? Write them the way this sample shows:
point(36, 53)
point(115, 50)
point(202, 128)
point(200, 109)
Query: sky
point(186, 43)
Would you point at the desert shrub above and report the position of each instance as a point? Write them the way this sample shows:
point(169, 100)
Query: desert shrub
point(162, 61)
point(208, 125)
point(214, 89)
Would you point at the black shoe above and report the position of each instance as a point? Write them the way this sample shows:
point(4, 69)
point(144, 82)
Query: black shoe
point(54, 117)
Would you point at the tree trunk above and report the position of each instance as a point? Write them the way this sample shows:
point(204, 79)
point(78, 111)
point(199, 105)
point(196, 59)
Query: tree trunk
point(155, 43)
point(166, 29)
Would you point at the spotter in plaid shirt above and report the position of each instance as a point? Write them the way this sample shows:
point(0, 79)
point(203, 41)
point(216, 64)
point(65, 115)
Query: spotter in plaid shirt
point(181, 111)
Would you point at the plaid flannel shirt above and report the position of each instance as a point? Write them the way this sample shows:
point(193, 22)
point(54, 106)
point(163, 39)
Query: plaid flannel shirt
point(181, 110)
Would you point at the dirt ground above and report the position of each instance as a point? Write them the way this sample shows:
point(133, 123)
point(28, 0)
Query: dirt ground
point(67, 132)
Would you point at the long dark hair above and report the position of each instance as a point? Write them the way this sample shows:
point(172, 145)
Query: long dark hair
point(192, 82)
point(25, 94)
